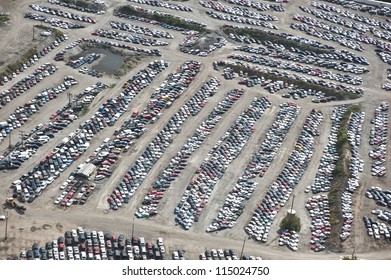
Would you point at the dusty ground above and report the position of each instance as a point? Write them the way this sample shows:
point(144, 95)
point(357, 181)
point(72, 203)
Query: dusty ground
point(44, 221)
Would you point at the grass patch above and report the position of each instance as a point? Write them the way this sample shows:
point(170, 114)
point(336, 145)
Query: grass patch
point(264, 36)
point(25, 58)
point(341, 176)
point(12, 67)
point(4, 18)
point(338, 94)
point(165, 18)
point(84, 110)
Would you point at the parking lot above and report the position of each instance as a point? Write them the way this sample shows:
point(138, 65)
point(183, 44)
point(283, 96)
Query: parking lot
point(178, 144)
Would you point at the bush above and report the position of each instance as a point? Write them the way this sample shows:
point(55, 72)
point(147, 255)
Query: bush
point(291, 224)
point(4, 18)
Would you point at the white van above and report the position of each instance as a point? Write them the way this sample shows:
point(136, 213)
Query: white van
point(15, 183)
point(18, 189)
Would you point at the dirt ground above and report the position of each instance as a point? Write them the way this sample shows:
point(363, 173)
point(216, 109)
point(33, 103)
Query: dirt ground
point(44, 221)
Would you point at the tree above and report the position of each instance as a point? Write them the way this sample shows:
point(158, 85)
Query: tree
point(291, 223)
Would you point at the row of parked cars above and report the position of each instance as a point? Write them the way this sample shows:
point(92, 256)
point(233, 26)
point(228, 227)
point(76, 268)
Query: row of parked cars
point(258, 165)
point(237, 11)
point(53, 21)
point(345, 38)
point(273, 86)
point(135, 39)
point(91, 72)
point(79, 100)
point(380, 196)
point(83, 60)
point(281, 189)
point(28, 82)
point(172, 15)
point(377, 229)
point(384, 215)
point(335, 18)
point(74, 192)
point(33, 183)
point(352, 15)
point(61, 13)
point(260, 6)
point(355, 168)
point(378, 138)
point(319, 210)
point(279, 51)
point(324, 175)
point(32, 60)
point(385, 57)
point(163, 97)
point(237, 19)
point(79, 244)
point(106, 155)
point(319, 96)
point(77, 142)
point(95, 9)
point(298, 67)
point(360, 27)
point(216, 162)
point(106, 43)
point(371, 9)
point(191, 108)
point(22, 113)
point(179, 162)
point(141, 30)
point(149, 21)
point(322, 48)
point(342, 54)
point(219, 254)
point(278, 74)
point(42, 133)
point(290, 239)
point(163, 4)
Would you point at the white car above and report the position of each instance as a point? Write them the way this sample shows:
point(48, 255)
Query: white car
point(2, 217)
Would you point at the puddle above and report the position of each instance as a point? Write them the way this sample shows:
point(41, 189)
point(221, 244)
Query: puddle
point(108, 63)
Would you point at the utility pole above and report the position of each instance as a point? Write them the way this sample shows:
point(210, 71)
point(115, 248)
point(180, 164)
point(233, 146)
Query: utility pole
point(6, 226)
point(22, 137)
point(33, 34)
point(293, 200)
point(244, 243)
point(70, 97)
point(133, 229)
point(9, 145)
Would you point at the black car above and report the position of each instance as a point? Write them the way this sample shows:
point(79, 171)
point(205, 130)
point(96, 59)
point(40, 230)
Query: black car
point(29, 254)
point(68, 241)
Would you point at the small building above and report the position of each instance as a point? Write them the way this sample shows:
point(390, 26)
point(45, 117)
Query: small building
point(86, 171)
